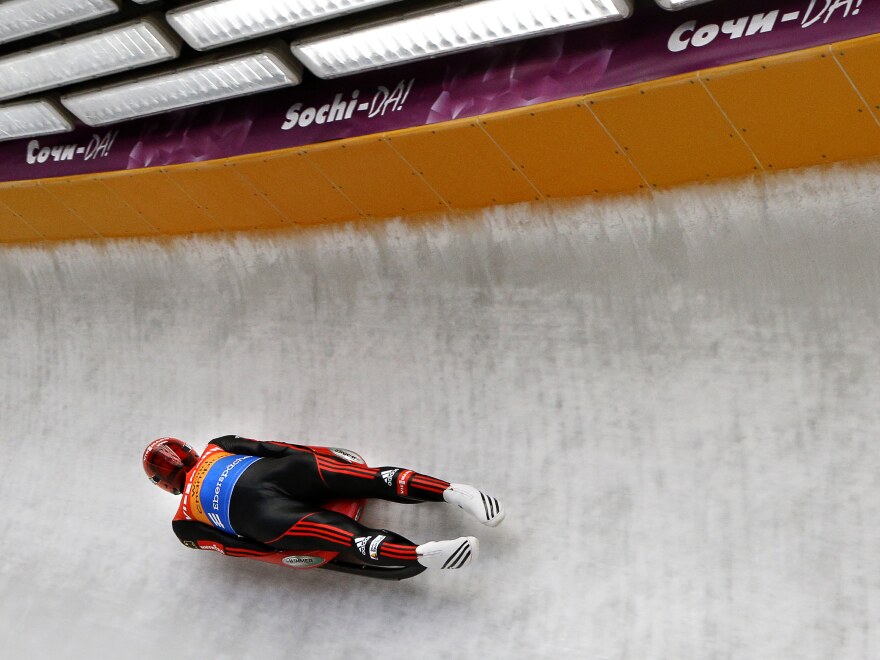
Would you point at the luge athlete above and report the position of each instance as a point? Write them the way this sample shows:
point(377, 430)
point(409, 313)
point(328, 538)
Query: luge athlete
point(242, 495)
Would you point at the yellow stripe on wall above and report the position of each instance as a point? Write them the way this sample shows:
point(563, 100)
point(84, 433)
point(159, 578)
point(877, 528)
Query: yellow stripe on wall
point(372, 176)
point(46, 213)
point(460, 161)
point(859, 59)
point(299, 191)
point(796, 109)
point(673, 131)
point(561, 146)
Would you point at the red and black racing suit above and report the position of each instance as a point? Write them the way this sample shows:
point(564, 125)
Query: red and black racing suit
point(276, 502)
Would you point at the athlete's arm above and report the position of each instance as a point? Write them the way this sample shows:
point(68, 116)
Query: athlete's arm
point(200, 536)
point(235, 444)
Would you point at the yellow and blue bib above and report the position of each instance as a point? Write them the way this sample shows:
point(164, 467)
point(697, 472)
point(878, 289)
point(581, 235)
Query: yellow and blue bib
point(211, 486)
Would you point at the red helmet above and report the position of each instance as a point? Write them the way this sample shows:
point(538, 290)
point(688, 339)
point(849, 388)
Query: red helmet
point(166, 462)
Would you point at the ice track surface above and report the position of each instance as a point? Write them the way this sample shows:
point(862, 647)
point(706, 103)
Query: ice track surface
point(677, 397)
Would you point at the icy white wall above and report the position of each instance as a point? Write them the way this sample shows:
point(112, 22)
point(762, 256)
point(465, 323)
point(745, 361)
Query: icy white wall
point(677, 397)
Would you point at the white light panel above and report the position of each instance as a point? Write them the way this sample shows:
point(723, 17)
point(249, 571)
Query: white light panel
point(22, 18)
point(89, 56)
point(211, 24)
point(32, 118)
point(449, 28)
point(675, 5)
point(240, 75)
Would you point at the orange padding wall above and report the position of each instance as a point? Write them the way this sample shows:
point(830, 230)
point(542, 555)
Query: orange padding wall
point(798, 109)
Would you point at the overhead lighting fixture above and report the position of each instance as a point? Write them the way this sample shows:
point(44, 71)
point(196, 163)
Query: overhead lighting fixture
point(210, 24)
point(92, 55)
point(225, 78)
point(448, 28)
point(22, 18)
point(31, 118)
point(675, 5)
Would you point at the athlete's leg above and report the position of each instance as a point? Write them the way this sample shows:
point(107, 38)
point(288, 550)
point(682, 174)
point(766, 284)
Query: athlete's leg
point(308, 476)
point(388, 482)
point(405, 485)
point(313, 477)
point(328, 530)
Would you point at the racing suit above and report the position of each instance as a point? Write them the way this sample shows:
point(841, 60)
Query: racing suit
point(247, 498)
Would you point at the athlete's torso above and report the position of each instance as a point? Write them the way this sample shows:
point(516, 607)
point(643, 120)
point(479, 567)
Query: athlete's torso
point(209, 487)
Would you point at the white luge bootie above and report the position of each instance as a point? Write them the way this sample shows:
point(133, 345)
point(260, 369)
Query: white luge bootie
point(457, 553)
point(486, 509)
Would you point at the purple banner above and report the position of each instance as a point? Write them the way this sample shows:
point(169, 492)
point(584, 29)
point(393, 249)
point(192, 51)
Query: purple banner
point(652, 44)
